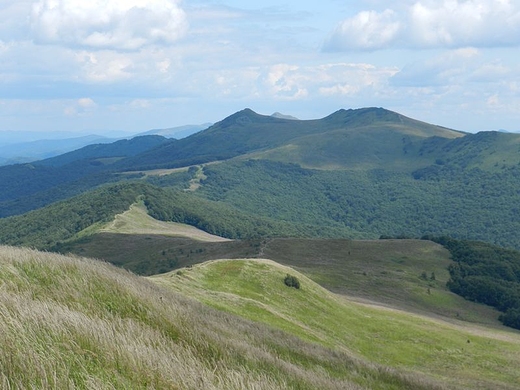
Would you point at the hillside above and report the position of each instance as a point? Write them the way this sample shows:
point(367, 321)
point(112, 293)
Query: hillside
point(386, 271)
point(447, 199)
point(76, 323)
point(23, 152)
point(25, 187)
point(246, 132)
point(457, 355)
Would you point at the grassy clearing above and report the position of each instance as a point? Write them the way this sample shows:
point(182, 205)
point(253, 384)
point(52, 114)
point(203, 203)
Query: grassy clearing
point(137, 221)
point(81, 324)
point(460, 354)
point(156, 172)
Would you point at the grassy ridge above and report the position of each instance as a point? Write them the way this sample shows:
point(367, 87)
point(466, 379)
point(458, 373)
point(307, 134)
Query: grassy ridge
point(463, 355)
point(80, 324)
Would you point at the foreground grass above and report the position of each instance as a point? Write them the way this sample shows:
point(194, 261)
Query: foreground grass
point(460, 354)
point(73, 323)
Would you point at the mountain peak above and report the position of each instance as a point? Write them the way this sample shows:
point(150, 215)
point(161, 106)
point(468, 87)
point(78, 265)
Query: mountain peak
point(243, 117)
point(369, 112)
point(279, 115)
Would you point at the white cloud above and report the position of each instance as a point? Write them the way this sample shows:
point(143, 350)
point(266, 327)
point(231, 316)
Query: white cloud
point(286, 81)
point(291, 82)
point(432, 24)
point(86, 103)
point(108, 24)
point(79, 106)
point(367, 30)
point(140, 103)
point(105, 66)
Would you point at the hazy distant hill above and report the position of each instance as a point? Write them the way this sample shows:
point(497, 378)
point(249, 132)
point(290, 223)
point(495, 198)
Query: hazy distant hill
point(177, 132)
point(118, 149)
point(283, 116)
point(45, 148)
point(24, 187)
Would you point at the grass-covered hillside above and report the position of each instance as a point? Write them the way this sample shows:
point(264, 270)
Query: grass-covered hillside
point(74, 323)
point(454, 354)
point(409, 274)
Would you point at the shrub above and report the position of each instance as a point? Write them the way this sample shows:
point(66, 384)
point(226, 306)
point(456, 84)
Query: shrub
point(292, 281)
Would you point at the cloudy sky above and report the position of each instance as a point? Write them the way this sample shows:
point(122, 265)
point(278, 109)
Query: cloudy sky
point(134, 65)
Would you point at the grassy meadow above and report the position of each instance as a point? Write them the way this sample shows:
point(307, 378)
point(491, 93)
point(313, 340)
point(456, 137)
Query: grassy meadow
point(368, 315)
point(75, 323)
point(458, 354)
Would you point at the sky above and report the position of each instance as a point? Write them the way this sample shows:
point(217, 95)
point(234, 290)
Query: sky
point(98, 66)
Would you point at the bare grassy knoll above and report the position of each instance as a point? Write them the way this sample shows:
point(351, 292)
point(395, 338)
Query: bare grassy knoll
point(137, 221)
point(458, 355)
point(73, 323)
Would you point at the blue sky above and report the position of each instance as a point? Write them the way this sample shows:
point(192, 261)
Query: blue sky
point(133, 65)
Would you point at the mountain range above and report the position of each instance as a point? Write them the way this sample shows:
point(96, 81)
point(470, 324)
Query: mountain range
point(355, 173)
point(401, 236)
point(24, 147)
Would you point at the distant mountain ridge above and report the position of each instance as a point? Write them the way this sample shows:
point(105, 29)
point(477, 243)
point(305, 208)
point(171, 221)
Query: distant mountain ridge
point(354, 173)
point(248, 132)
point(283, 116)
point(177, 132)
point(23, 152)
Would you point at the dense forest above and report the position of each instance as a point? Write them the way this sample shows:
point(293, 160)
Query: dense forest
point(486, 274)
point(466, 204)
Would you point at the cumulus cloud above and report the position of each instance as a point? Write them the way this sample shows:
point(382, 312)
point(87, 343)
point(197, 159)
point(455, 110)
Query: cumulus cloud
point(367, 30)
point(86, 103)
point(431, 24)
point(79, 107)
point(108, 24)
point(105, 66)
point(291, 82)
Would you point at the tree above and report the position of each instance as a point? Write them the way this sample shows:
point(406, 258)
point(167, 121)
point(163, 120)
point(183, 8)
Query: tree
point(292, 281)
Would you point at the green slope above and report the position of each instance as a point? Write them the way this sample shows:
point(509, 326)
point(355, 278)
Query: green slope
point(456, 354)
point(26, 187)
point(72, 323)
point(46, 227)
point(246, 132)
point(441, 200)
point(385, 271)
point(362, 139)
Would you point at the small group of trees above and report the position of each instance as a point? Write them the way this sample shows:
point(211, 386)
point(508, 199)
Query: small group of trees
point(292, 281)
